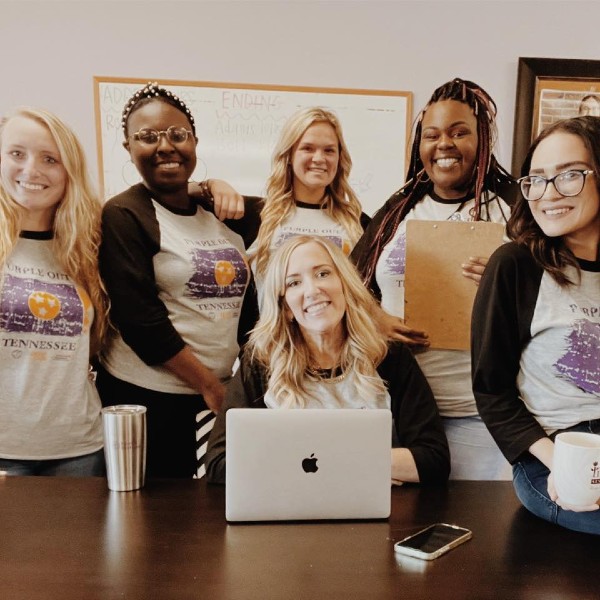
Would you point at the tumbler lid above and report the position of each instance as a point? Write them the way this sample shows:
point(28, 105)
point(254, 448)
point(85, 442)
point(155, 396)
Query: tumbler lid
point(124, 409)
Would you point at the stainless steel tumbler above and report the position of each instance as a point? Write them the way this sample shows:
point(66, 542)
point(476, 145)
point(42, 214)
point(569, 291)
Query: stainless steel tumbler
point(125, 446)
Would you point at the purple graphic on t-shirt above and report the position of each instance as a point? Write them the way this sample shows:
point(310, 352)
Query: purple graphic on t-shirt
point(33, 306)
point(396, 260)
point(288, 235)
point(221, 273)
point(581, 362)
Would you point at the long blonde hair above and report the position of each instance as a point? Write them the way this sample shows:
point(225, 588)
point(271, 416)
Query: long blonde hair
point(278, 343)
point(76, 225)
point(341, 203)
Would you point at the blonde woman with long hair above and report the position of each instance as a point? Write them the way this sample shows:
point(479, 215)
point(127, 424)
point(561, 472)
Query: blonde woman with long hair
point(308, 190)
point(307, 193)
point(316, 345)
point(52, 305)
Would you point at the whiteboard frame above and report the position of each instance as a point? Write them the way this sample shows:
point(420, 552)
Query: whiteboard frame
point(406, 96)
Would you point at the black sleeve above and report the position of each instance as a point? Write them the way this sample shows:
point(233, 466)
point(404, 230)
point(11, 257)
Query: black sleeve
point(247, 227)
point(249, 314)
point(246, 390)
point(500, 328)
point(130, 239)
point(417, 423)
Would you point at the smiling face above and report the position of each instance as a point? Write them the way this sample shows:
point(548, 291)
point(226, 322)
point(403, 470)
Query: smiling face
point(575, 218)
point(164, 167)
point(315, 158)
point(448, 147)
point(314, 295)
point(32, 171)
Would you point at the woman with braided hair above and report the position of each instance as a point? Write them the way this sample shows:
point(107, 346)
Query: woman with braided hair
point(177, 278)
point(453, 176)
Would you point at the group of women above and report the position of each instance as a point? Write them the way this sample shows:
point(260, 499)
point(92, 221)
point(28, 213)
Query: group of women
point(157, 288)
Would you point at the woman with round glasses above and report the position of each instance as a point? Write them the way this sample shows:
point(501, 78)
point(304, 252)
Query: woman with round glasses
point(176, 277)
point(536, 319)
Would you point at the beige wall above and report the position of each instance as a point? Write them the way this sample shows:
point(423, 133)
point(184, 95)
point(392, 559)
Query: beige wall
point(49, 51)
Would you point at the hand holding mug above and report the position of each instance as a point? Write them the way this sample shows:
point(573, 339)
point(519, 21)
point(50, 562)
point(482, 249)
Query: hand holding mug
point(574, 483)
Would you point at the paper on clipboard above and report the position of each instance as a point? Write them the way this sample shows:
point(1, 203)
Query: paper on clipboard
point(438, 297)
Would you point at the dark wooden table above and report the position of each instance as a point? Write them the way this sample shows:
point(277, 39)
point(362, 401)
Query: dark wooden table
point(73, 539)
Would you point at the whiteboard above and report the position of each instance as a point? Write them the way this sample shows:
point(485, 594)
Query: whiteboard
point(238, 125)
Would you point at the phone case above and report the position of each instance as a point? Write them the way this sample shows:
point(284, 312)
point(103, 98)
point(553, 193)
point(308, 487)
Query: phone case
point(417, 553)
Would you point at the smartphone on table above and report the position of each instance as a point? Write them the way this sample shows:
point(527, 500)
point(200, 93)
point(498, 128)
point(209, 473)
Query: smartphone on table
point(433, 541)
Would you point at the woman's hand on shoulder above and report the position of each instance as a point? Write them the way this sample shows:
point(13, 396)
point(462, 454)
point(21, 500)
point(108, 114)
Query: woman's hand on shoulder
point(474, 268)
point(228, 204)
point(395, 329)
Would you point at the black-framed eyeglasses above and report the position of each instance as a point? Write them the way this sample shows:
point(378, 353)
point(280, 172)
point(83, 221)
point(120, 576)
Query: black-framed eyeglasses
point(150, 137)
point(567, 183)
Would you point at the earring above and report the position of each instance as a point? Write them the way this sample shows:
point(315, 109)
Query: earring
point(129, 173)
point(204, 168)
point(421, 178)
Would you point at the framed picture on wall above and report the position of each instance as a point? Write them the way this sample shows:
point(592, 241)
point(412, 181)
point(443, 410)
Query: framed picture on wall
point(548, 90)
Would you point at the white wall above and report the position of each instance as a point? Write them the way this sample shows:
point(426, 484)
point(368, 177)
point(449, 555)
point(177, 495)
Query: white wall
point(49, 51)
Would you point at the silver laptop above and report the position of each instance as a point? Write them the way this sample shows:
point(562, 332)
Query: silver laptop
point(308, 464)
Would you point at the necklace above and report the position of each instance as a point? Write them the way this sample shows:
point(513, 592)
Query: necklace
point(326, 375)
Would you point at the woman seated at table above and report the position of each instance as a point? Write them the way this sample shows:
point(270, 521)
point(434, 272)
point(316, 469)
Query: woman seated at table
point(536, 322)
point(316, 345)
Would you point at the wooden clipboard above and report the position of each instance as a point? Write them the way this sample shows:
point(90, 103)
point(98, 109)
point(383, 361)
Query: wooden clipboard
point(438, 297)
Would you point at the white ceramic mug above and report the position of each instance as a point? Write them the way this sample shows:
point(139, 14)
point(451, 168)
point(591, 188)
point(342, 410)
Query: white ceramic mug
point(576, 467)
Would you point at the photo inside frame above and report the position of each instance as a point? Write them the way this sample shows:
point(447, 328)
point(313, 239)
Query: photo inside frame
point(558, 99)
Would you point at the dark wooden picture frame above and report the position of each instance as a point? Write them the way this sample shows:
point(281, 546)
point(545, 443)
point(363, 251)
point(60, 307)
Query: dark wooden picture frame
point(531, 72)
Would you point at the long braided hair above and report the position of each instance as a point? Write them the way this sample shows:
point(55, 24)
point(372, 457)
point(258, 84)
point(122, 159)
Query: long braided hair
point(488, 181)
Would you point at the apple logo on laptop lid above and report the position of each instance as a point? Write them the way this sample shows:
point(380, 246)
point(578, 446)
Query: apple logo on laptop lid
point(310, 464)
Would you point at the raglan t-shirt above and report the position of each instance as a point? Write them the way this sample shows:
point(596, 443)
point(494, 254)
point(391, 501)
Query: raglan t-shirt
point(306, 219)
point(50, 407)
point(334, 392)
point(536, 349)
point(175, 278)
point(447, 371)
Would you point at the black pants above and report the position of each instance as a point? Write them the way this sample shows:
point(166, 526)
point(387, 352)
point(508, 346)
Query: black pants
point(170, 422)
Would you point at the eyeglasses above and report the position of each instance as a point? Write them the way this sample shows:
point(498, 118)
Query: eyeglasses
point(151, 137)
point(567, 183)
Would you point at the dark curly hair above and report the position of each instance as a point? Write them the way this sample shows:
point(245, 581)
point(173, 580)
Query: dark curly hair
point(551, 252)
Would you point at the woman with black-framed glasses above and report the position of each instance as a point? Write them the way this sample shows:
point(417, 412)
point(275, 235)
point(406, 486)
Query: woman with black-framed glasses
point(176, 277)
point(536, 318)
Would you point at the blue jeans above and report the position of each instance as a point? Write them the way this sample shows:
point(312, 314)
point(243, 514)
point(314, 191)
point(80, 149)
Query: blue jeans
point(530, 479)
point(88, 465)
